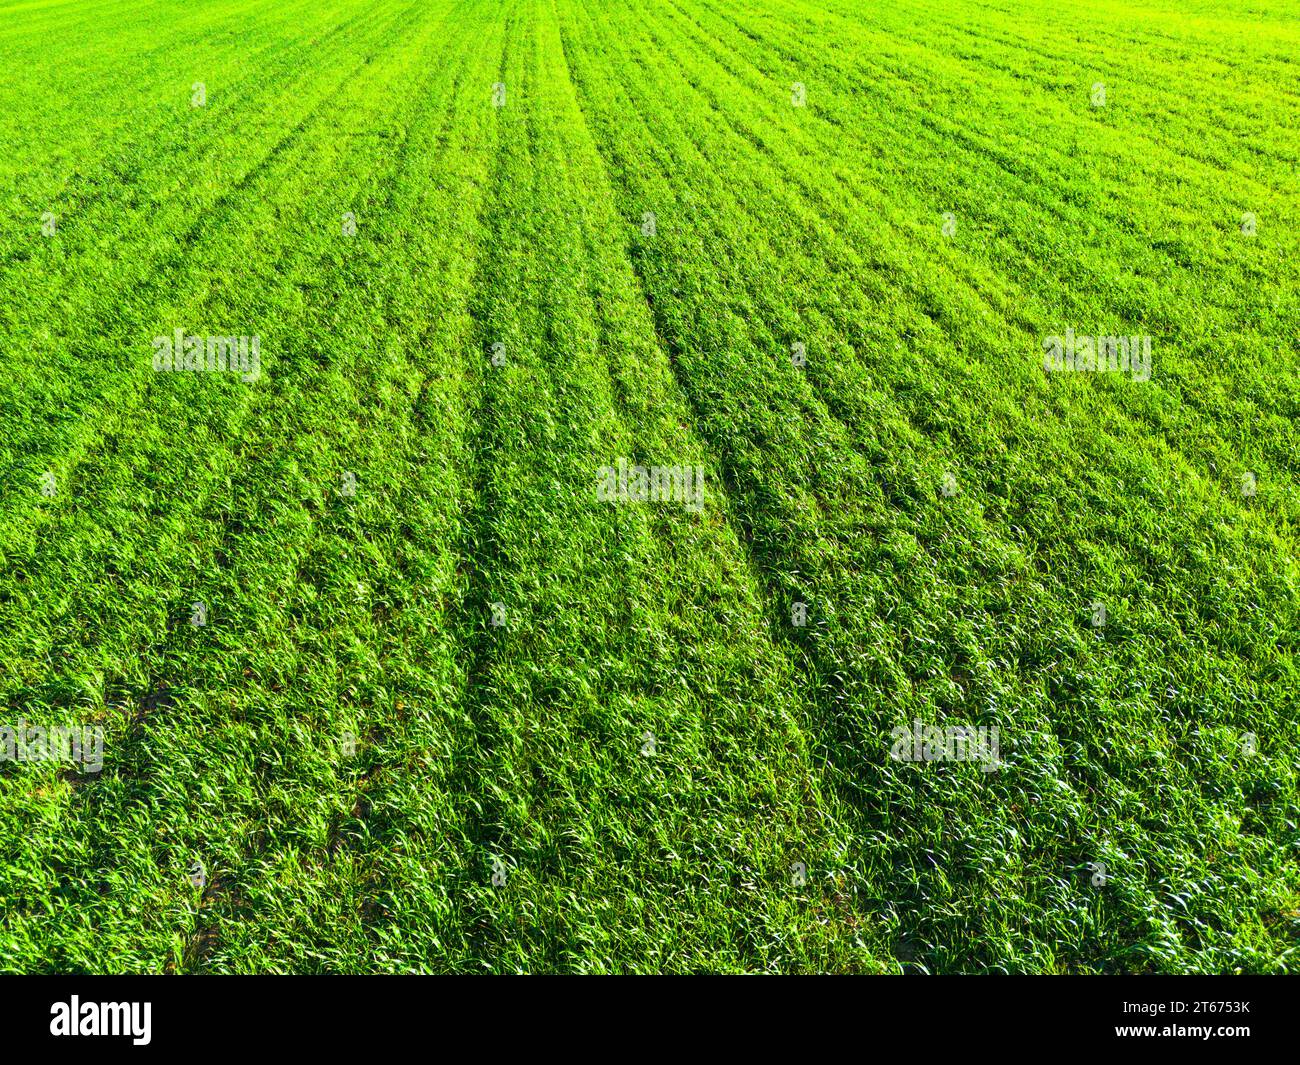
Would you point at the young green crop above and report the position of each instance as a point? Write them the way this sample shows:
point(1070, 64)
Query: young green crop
point(374, 654)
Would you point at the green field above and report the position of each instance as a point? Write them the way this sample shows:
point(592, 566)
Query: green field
point(386, 683)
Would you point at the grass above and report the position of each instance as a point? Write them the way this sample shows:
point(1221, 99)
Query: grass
point(449, 711)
